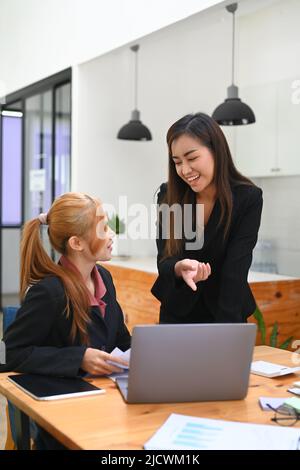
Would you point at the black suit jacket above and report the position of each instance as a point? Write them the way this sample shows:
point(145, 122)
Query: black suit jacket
point(38, 341)
point(225, 297)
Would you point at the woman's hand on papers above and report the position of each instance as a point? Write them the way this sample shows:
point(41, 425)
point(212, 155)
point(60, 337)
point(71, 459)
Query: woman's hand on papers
point(95, 362)
point(192, 271)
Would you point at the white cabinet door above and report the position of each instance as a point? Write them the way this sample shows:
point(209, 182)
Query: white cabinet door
point(288, 130)
point(270, 146)
point(255, 150)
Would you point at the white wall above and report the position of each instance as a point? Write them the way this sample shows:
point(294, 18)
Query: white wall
point(269, 44)
point(178, 74)
point(41, 37)
point(184, 68)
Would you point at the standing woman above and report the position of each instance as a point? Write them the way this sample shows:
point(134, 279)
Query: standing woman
point(69, 320)
point(205, 283)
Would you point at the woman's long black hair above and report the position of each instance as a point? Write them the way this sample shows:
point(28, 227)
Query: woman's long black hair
point(208, 132)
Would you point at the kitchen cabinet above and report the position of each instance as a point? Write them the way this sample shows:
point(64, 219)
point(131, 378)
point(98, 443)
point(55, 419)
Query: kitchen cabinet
point(270, 146)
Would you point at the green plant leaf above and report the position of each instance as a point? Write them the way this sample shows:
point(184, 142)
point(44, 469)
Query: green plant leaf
point(274, 334)
point(116, 224)
point(286, 343)
point(260, 324)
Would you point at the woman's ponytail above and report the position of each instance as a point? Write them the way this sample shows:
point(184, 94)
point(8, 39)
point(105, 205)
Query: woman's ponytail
point(35, 262)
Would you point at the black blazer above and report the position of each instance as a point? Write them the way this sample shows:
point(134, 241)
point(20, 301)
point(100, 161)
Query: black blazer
point(225, 297)
point(38, 341)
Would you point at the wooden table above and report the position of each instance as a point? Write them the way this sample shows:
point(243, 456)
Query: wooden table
point(107, 422)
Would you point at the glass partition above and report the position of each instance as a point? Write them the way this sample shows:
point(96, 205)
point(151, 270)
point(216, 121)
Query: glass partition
point(35, 165)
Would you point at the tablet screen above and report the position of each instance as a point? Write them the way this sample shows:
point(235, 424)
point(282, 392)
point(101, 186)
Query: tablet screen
point(42, 387)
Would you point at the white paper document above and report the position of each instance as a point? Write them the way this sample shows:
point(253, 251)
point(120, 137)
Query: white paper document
point(182, 432)
point(269, 369)
point(274, 402)
point(294, 390)
point(122, 355)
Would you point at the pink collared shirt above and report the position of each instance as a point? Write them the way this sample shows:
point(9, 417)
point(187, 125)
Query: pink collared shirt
point(100, 289)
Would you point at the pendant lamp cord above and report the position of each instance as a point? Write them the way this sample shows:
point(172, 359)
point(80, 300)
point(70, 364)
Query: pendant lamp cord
point(233, 45)
point(135, 49)
point(136, 81)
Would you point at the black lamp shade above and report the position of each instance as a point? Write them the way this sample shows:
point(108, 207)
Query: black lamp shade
point(233, 112)
point(134, 129)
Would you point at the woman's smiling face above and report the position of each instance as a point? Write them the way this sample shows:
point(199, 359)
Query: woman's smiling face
point(193, 161)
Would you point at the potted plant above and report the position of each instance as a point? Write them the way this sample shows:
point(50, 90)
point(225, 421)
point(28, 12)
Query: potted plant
point(261, 325)
point(121, 244)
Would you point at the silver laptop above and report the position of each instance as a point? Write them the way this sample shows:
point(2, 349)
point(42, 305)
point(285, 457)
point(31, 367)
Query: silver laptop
point(189, 362)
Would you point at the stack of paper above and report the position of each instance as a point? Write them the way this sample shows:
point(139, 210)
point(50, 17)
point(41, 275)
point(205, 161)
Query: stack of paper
point(181, 432)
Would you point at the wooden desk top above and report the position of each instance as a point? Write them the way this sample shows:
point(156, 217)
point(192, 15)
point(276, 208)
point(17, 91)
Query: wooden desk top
point(106, 422)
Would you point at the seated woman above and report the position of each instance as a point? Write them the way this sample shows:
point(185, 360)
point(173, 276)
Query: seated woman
point(69, 320)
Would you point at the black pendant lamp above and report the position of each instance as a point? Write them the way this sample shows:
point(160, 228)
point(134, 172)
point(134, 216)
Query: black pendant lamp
point(135, 129)
point(233, 112)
